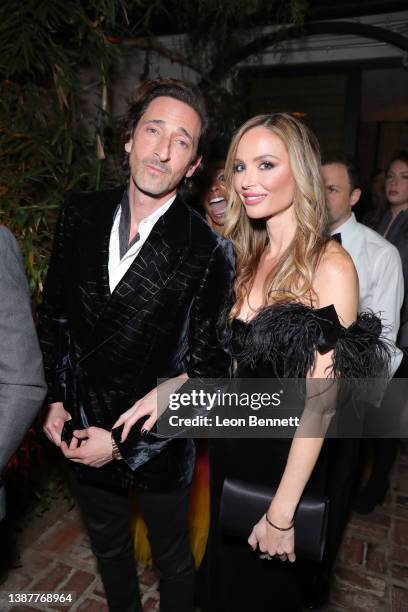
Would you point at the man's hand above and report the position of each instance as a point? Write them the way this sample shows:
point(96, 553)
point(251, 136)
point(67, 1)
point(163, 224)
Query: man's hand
point(56, 417)
point(95, 450)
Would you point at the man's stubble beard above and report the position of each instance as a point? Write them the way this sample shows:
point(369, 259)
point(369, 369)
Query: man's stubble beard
point(148, 186)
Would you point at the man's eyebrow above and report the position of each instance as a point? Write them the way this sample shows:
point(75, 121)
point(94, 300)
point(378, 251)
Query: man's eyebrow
point(161, 122)
point(186, 134)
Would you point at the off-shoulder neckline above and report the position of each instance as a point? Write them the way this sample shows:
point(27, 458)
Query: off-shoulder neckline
point(329, 309)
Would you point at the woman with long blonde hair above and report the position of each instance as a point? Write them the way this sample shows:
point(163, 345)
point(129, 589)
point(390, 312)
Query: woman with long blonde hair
point(296, 296)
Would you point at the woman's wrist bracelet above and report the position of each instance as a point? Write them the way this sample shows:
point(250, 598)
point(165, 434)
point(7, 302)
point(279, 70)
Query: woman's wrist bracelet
point(275, 526)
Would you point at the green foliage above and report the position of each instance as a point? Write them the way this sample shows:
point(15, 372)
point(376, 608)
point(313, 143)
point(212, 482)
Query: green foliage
point(46, 147)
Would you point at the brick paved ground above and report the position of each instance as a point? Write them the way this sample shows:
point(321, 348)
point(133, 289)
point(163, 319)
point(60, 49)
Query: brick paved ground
point(372, 572)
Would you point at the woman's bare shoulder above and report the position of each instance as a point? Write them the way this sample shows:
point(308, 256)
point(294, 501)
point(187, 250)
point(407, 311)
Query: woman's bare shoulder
point(336, 282)
point(335, 263)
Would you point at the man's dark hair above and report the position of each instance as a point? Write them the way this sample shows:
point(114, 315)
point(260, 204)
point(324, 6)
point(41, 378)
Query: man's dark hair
point(351, 165)
point(170, 88)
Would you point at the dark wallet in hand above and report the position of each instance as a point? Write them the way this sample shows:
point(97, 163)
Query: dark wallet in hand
point(67, 432)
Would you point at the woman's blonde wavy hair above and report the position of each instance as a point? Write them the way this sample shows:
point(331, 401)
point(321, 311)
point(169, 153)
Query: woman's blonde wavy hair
point(293, 273)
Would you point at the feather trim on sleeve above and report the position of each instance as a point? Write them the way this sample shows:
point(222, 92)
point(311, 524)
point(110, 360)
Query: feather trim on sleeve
point(361, 351)
point(287, 336)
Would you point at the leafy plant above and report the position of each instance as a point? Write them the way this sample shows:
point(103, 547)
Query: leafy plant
point(46, 148)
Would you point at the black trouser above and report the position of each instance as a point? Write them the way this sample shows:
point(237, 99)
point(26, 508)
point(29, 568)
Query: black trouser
point(106, 513)
point(385, 450)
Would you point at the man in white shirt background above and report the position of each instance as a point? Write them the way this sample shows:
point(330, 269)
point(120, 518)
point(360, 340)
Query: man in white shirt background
point(380, 275)
point(378, 262)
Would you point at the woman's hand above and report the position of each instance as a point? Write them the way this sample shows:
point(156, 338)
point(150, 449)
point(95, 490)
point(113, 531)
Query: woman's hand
point(152, 405)
point(272, 541)
point(146, 406)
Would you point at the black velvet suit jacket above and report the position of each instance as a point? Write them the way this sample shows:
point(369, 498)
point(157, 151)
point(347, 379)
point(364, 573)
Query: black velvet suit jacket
point(104, 351)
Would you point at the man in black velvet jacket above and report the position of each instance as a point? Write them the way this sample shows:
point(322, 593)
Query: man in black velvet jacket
point(135, 288)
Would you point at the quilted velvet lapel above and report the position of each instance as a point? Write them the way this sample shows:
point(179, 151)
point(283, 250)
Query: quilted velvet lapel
point(158, 261)
point(94, 247)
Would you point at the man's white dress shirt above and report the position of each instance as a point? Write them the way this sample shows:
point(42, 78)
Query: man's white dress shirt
point(117, 266)
point(379, 270)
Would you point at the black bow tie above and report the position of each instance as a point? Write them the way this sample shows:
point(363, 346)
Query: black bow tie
point(337, 237)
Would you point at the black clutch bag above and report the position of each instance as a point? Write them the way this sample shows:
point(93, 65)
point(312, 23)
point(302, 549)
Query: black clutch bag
point(243, 504)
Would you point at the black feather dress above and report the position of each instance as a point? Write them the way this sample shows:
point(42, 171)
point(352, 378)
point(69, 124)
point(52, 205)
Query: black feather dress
point(282, 341)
